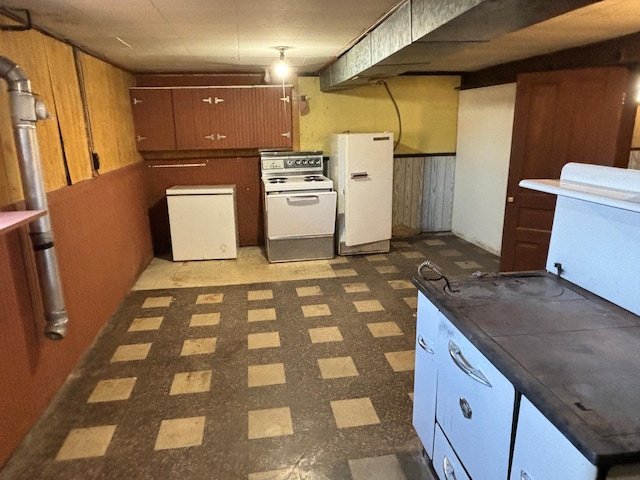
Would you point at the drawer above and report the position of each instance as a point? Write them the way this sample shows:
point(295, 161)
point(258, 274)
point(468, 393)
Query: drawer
point(543, 453)
point(475, 405)
point(426, 373)
point(445, 461)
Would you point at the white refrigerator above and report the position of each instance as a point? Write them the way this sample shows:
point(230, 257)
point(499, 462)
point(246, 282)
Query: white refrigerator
point(361, 167)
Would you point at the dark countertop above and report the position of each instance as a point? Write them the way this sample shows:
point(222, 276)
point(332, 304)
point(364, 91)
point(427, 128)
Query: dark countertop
point(575, 356)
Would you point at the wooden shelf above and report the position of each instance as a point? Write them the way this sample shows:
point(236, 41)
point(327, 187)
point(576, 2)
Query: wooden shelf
point(12, 220)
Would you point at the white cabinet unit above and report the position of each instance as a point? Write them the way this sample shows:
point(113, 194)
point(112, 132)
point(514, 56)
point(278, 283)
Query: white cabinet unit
point(426, 373)
point(202, 220)
point(475, 404)
point(445, 461)
point(543, 453)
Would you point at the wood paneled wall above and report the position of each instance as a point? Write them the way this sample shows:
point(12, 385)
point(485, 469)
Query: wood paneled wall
point(407, 195)
point(103, 244)
point(437, 197)
point(242, 172)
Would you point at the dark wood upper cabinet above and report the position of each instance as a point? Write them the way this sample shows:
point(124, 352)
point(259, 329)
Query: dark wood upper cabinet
point(153, 118)
point(584, 116)
point(209, 118)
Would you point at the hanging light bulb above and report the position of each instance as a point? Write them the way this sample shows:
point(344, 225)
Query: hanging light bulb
point(282, 67)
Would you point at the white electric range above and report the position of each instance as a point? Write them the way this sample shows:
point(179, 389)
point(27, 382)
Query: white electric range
point(299, 207)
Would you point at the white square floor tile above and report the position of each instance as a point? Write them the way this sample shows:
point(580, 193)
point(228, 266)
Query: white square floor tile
point(128, 353)
point(364, 306)
point(412, 255)
point(316, 310)
point(157, 302)
point(282, 474)
point(386, 467)
point(400, 284)
point(205, 319)
point(354, 412)
point(338, 367)
point(308, 291)
point(263, 340)
point(450, 253)
point(198, 346)
point(384, 329)
point(261, 314)
point(86, 442)
point(338, 260)
point(263, 375)
point(325, 335)
point(112, 390)
point(434, 242)
point(259, 295)
point(146, 323)
point(387, 269)
point(411, 301)
point(208, 298)
point(355, 287)
point(346, 272)
point(401, 361)
point(376, 258)
point(468, 264)
point(271, 422)
point(400, 244)
point(191, 382)
point(410, 396)
point(180, 433)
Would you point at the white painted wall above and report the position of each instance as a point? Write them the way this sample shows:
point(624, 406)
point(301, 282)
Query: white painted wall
point(485, 123)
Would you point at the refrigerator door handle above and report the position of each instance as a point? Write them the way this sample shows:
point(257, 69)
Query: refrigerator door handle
point(359, 175)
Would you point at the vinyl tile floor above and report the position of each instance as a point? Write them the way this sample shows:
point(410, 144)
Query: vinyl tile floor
point(295, 378)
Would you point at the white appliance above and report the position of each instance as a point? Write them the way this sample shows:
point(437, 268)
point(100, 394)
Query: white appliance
point(361, 166)
point(299, 207)
point(203, 223)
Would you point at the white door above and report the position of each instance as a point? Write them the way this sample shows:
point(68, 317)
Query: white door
point(300, 214)
point(368, 171)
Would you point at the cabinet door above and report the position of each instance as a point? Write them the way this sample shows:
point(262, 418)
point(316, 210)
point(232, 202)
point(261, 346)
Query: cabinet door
point(426, 373)
point(212, 118)
point(272, 117)
point(153, 119)
point(542, 452)
point(445, 461)
point(475, 405)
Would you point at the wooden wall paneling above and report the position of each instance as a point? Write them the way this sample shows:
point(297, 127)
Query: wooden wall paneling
point(27, 49)
point(407, 195)
point(272, 120)
point(437, 206)
point(231, 117)
point(192, 118)
point(153, 119)
point(244, 173)
point(111, 119)
point(69, 109)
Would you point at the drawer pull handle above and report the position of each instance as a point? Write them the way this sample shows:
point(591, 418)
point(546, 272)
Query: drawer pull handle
point(424, 345)
point(524, 476)
point(465, 366)
point(466, 408)
point(449, 473)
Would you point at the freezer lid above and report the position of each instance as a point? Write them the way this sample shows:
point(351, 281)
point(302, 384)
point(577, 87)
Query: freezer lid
point(201, 190)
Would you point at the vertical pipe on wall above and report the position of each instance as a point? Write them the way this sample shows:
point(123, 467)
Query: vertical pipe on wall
point(26, 110)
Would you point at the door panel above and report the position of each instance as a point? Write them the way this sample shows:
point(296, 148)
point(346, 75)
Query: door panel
point(560, 117)
point(153, 119)
point(272, 120)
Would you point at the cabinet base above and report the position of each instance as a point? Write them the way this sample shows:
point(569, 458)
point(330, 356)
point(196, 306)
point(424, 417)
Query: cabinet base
point(298, 249)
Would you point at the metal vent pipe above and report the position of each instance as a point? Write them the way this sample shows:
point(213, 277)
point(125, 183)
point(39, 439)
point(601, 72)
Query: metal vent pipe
point(26, 110)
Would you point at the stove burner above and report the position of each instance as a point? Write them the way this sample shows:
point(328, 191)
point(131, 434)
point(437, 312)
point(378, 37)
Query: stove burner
point(313, 178)
point(278, 180)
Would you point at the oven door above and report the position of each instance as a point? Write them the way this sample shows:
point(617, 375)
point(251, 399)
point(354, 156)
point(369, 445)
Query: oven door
point(300, 214)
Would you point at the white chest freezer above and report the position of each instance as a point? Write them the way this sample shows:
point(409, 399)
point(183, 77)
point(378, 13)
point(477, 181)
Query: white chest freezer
point(203, 222)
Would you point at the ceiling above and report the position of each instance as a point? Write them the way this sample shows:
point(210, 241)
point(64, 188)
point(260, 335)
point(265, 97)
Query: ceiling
point(243, 35)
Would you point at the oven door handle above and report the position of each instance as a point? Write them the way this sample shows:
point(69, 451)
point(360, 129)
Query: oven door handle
point(464, 365)
point(301, 198)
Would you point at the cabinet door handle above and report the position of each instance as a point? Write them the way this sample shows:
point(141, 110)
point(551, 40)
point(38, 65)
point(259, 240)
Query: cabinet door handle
point(358, 175)
point(207, 100)
point(465, 366)
point(286, 134)
point(524, 475)
point(220, 137)
point(447, 468)
point(139, 138)
point(136, 101)
point(424, 345)
point(285, 99)
point(218, 100)
point(210, 137)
